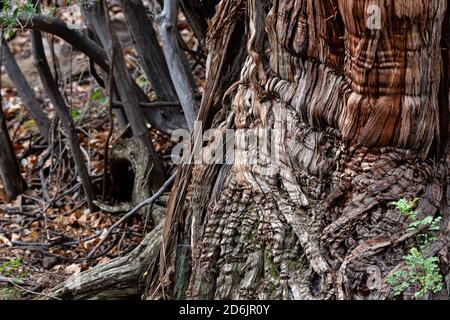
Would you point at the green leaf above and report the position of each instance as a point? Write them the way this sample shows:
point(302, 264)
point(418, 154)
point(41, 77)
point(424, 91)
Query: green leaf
point(96, 94)
point(75, 114)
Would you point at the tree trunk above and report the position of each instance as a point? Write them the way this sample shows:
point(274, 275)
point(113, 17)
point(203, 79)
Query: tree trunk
point(13, 182)
point(154, 65)
point(347, 101)
point(357, 122)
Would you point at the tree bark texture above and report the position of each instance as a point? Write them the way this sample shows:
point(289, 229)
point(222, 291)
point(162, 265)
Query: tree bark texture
point(362, 117)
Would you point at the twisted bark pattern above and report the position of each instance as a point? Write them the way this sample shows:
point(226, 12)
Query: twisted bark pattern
point(359, 122)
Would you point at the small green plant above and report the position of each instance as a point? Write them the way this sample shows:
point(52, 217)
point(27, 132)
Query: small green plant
point(76, 114)
point(422, 272)
point(53, 11)
point(11, 269)
point(142, 81)
point(11, 20)
point(98, 96)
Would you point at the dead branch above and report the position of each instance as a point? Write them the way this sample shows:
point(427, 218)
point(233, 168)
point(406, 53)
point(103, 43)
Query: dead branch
point(180, 72)
point(25, 92)
point(58, 102)
point(131, 213)
point(119, 279)
point(13, 182)
point(96, 17)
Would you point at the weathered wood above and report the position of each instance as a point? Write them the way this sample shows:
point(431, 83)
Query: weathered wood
point(224, 67)
point(148, 48)
point(356, 114)
point(129, 151)
point(180, 72)
point(154, 65)
point(51, 87)
point(354, 131)
point(96, 18)
point(122, 278)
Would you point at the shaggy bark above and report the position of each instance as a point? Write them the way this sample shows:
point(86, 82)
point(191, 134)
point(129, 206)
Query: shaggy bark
point(359, 118)
point(358, 123)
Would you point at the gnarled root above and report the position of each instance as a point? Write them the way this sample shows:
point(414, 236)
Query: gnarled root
point(119, 279)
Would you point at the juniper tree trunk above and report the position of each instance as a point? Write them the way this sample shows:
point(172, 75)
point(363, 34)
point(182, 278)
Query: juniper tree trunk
point(359, 110)
point(348, 101)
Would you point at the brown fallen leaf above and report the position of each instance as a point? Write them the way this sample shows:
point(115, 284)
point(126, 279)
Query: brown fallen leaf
point(73, 269)
point(5, 240)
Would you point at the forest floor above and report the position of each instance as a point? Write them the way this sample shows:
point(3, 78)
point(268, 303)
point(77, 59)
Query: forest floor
point(47, 232)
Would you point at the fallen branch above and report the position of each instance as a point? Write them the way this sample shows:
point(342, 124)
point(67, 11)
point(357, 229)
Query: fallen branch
point(153, 104)
point(8, 280)
point(20, 285)
point(120, 208)
point(131, 213)
point(121, 278)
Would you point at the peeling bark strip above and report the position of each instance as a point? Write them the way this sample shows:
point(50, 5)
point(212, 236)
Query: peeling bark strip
point(360, 121)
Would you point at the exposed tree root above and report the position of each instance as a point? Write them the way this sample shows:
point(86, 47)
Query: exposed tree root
point(122, 278)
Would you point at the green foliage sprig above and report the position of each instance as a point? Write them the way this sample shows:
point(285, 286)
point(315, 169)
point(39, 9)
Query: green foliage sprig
point(10, 17)
point(422, 272)
point(11, 269)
